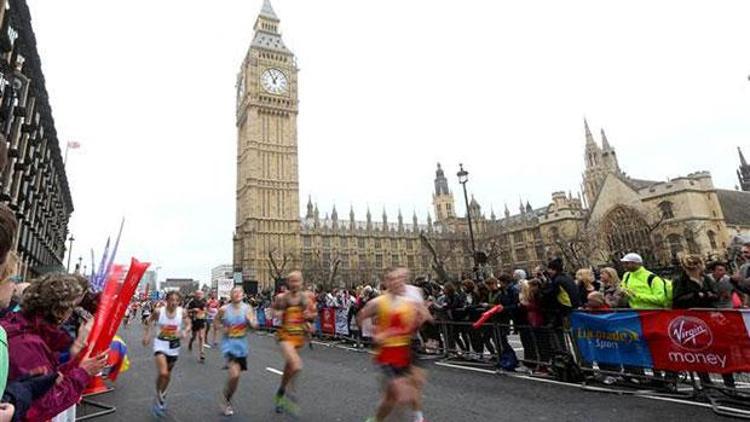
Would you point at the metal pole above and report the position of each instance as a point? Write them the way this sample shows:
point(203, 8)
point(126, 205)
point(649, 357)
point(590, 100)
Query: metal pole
point(468, 217)
point(70, 251)
point(65, 160)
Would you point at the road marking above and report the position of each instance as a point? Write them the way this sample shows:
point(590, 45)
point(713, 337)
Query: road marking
point(527, 377)
point(275, 371)
point(468, 368)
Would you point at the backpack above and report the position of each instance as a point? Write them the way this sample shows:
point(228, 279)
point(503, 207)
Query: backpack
point(565, 369)
point(666, 285)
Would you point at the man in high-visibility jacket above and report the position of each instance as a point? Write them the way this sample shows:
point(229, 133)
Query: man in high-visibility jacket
point(644, 289)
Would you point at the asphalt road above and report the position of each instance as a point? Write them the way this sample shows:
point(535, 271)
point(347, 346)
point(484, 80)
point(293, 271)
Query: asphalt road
point(342, 385)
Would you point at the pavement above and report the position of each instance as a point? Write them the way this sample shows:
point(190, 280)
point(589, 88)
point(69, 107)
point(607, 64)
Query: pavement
point(343, 385)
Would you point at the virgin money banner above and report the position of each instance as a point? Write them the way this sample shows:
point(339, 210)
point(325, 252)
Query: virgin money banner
point(328, 321)
point(614, 338)
point(701, 341)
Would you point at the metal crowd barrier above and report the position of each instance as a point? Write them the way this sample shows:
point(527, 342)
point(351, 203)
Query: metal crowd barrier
point(553, 352)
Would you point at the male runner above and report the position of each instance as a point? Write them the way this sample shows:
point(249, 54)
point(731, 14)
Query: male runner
point(170, 321)
point(296, 312)
point(397, 319)
point(234, 319)
point(197, 310)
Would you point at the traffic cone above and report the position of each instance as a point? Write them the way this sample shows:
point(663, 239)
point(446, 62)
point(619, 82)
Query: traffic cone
point(96, 386)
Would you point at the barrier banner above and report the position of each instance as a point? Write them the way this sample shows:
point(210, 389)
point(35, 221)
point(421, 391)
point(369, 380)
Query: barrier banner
point(328, 321)
point(342, 326)
point(701, 341)
point(612, 338)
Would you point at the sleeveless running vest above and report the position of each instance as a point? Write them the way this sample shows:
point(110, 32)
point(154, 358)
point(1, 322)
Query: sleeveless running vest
point(167, 339)
point(235, 338)
point(395, 314)
point(293, 324)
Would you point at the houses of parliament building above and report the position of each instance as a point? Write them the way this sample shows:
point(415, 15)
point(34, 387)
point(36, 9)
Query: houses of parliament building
point(614, 214)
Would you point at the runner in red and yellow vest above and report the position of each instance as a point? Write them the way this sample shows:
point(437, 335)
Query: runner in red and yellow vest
point(397, 319)
point(296, 312)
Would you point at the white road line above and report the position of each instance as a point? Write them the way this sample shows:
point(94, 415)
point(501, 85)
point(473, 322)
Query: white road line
point(275, 371)
point(468, 368)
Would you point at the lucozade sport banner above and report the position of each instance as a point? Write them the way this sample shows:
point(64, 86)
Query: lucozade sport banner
point(674, 340)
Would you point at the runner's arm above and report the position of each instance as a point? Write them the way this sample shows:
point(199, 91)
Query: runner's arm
point(149, 322)
point(312, 308)
point(251, 318)
point(217, 320)
point(188, 325)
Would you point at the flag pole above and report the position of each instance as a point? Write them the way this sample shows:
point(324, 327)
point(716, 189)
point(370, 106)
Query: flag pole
point(65, 160)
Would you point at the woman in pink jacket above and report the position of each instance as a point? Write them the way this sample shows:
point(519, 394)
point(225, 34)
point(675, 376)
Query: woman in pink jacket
point(35, 342)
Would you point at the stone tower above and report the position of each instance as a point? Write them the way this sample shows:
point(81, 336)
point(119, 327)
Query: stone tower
point(600, 161)
point(442, 199)
point(267, 203)
point(743, 173)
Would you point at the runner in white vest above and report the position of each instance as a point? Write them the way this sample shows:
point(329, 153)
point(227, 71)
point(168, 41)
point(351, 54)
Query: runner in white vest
point(172, 324)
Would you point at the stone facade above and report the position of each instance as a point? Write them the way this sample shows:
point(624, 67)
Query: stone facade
point(616, 214)
point(33, 182)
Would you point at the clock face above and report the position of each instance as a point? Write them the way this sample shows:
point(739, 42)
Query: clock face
point(274, 81)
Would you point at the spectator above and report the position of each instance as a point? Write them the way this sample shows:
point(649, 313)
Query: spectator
point(519, 276)
point(643, 289)
point(473, 312)
point(586, 284)
point(455, 310)
point(694, 289)
point(728, 296)
point(559, 294)
point(595, 302)
point(741, 279)
point(530, 320)
point(509, 299)
point(35, 339)
point(614, 297)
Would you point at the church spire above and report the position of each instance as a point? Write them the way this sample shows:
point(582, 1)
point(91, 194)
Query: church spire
point(309, 208)
point(507, 211)
point(605, 142)
point(742, 158)
point(589, 137)
point(743, 173)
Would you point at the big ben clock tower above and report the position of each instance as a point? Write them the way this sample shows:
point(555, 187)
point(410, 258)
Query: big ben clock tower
point(267, 179)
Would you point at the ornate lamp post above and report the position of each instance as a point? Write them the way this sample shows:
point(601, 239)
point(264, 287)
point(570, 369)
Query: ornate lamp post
point(463, 177)
point(71, 239)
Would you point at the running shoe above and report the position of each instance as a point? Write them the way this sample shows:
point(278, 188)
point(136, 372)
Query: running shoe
point(202, 359)
point(226, 405)
point(207, 346)
point(159, 409)
point(277, 403)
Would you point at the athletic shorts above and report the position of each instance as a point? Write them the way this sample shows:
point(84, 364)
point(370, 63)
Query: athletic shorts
point(242, 361)
point(199, 324)
point(171, 360)
point(416, 347)
point(391, 372)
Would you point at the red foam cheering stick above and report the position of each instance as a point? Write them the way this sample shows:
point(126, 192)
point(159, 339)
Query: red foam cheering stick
point(487, 315)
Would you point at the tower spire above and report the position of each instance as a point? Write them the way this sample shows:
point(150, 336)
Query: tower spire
point(589, 136)
point(605, 142)
point(742, 157)
point(267, 10)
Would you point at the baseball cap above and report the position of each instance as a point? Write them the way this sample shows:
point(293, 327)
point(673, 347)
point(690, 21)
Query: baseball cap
point(632, 257)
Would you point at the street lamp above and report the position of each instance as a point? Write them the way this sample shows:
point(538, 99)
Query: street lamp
point(463, 177)
point(71, 239)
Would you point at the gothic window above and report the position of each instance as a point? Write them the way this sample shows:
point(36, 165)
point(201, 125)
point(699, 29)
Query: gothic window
point(625, 231)
point(307, 259)
point(555, 232)
point(410, 261)
point(410, 244)
point(518, 237)
point(326, 242)
point(307, 241)
point(344, 260)
point(326, 258)
point(362, 260)
point(540, 255)
point(361, 242)
point(690, 240)
point(394, 243)
point(712, 239)
point(505, 257)
point(666, 210)
point(395, 261)
point(379, 261)
point(675, 244)
point(378, 243)
point(522, 255)
point(425, 261)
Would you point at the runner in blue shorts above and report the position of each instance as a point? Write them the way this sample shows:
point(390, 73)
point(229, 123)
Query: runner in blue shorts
point(234, 319)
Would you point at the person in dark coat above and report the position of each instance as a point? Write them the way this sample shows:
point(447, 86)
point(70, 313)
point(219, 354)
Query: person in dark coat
point(694, 289)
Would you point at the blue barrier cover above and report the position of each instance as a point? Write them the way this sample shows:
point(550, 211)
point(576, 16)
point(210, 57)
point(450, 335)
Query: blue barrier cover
point(611, 338)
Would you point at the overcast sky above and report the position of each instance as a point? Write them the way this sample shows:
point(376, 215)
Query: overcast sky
point(387, 89)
